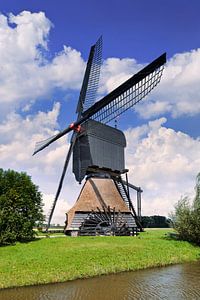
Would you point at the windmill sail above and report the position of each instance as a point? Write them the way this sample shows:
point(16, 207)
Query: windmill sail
point(87, 94)
point(127, 94)
point(91, 78)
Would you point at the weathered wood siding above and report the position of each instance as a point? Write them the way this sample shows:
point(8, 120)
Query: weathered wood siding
point(98, 145)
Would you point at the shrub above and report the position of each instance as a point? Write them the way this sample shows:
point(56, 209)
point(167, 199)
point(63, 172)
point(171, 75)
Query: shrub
point(186, 218)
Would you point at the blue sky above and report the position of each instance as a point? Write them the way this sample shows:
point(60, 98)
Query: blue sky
point(43, 52)
point(142, 29)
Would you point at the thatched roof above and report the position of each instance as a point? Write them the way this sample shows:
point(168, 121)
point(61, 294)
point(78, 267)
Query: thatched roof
point(97, 192)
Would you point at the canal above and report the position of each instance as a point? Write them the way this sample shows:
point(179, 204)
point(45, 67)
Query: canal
point(172, 282)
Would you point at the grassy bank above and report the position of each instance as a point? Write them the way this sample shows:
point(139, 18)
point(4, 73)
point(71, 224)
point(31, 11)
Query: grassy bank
point(61, 259)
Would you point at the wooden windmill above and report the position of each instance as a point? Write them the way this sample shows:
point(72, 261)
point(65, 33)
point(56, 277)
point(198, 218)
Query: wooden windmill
point(104, 205)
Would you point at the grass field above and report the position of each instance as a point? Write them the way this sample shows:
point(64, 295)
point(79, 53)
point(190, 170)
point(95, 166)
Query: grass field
point(61, 259)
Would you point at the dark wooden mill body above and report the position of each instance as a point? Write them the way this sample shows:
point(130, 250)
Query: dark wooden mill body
point(104, 206)
point(98, 145)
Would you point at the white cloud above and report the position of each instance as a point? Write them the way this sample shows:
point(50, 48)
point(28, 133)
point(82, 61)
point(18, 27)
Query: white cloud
point(62, 207)
point(115, 71)
point(163, 162)
point(18, 136)
point(178, 92)
point(26, 73)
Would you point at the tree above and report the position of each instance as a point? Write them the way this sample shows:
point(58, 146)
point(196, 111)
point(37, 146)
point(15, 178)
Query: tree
point(20, 207)
point(155, 222)
point(186, 218)
point(197, 196)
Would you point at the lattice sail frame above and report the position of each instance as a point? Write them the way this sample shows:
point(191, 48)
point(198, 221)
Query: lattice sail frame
point(89, 86)
point(40, 144)
point(94, 76)
point(129, 98)
point(91, 78)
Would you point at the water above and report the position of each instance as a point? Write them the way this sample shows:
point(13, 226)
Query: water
point(173, 282)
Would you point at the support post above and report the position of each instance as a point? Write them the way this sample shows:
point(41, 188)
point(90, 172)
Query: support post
point(139, 192)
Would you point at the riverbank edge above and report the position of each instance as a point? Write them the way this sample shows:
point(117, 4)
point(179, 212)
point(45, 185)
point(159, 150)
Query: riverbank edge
point(97, 276)
point(156, 264)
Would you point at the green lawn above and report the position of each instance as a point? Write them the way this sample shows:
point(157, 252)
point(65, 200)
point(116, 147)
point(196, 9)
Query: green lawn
point(61, 259)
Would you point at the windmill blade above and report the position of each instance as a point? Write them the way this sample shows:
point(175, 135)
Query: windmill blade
point(43, 144)
point(91, 78)
point(61, 181)
point(127, 94)
point(87, 94)
point(118, 101)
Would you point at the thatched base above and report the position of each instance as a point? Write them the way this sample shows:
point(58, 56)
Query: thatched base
point(100, 210)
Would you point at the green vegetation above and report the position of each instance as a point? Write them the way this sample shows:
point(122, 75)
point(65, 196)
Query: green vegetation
point(186, 218)
point(39, 234)
point(61, 259)
point(155, 222)
point(20, 207)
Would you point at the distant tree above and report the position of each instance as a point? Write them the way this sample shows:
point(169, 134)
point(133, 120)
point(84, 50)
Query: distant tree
point(186, 218)
point(155, 222)
point(20, 207)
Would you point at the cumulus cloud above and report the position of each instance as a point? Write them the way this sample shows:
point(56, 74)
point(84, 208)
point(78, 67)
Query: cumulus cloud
point(178, 92)
point(163, 162)
point(26, 72)
point(115, 71)
point(61, 208)
point(18, 136)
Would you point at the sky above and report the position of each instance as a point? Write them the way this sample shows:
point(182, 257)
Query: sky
point(44, 47)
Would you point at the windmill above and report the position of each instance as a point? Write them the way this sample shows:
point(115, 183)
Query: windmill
point(104, 205)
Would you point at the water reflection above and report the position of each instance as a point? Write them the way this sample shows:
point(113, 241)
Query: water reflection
point(174, 282)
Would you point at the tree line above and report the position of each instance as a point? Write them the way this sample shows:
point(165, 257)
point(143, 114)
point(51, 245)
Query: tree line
point(155, 222)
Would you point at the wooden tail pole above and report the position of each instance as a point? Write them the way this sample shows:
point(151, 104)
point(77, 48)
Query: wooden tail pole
point(139, 192)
